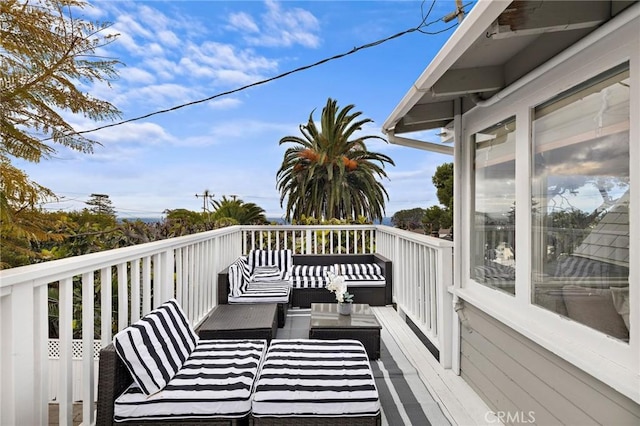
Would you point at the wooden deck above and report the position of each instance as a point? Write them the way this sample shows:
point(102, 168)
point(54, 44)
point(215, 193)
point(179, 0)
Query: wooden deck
point(459, 403)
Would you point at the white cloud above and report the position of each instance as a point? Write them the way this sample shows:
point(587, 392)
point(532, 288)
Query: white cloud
point(224, 103)
point(137, 75)
point(243, 22)
point(168, 38)
point(157, 95)
point(281, 27)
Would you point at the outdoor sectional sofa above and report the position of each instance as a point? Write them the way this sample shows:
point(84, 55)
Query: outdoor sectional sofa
point(369, 277)
point(157, 371)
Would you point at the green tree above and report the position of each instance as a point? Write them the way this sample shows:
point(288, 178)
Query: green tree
point(437, 217)
point(329, 173)
point(408, 219)
point(443, 181)
point(46, 53)
point(235, 210)
point(101, 204)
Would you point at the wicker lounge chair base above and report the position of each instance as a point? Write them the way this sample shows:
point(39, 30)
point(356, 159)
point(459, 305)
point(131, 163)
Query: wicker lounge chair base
point(114, 378)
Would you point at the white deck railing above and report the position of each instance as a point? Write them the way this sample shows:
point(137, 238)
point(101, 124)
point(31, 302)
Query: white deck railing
point(134, 280)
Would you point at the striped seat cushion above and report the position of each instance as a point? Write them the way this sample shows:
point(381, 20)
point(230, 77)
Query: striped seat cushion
point(361, 274)
point(309, 282)
point(310, 276)
point(315, 378)
point(216, 381)
point(263, 292)
point(155, 347)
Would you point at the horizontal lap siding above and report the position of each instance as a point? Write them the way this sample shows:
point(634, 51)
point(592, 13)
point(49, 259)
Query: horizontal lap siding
point(513, 374)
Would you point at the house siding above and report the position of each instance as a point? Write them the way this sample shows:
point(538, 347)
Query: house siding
point(527, 384)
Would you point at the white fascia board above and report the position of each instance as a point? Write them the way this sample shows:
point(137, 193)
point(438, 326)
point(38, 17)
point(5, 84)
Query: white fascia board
point(473, 26)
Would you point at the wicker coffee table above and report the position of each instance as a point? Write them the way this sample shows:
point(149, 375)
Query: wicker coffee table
point(362, 325)
point(241, 321)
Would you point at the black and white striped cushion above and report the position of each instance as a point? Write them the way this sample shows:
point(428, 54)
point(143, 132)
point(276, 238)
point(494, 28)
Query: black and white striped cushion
point(239, 276)
point(263, 292)
point(361, 274)
point(155, 347)
point(215, 382)
point(283, 259)
point(266, 273)
point(311, 270)
point(358, 269)
point(309, 282)
point(316, 378)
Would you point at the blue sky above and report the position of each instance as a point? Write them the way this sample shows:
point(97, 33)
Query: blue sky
point(176, 52)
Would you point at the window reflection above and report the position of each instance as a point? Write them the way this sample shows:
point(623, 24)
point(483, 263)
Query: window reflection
point(580, 205)
point(493, 246)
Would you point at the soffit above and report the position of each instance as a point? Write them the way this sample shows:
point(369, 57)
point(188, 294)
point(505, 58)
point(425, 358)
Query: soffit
point(509, 41)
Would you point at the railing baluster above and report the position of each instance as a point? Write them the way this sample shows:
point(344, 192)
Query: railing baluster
point(123, 297)
point(106, 306)
point(65, 330)
point(146, 285)
point(87, 347)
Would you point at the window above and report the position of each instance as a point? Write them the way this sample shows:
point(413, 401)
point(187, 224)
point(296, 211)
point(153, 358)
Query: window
point(493, 245)
point(580, 203)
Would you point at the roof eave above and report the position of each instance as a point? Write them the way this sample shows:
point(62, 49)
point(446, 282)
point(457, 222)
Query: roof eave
point(473, 26)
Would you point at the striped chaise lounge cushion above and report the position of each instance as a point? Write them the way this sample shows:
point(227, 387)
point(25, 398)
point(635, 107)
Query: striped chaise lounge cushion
point(310, 276)
point(361, 274)
point(215, 382)
point(155, 347)
point(315, 378)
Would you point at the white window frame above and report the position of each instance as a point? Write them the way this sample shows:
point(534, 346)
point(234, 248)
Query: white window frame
point(610, 360)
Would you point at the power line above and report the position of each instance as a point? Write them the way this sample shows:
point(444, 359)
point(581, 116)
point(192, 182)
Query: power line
point(419, 28)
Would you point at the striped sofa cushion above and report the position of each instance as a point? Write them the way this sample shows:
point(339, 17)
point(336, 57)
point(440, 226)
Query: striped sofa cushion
point(309, 282)
point(155, 347)
point(315, 378)
point(310, 276)
point(215, 382)
point(361, 274)
point(311, 270)
point(239, 276)
point(283, 259)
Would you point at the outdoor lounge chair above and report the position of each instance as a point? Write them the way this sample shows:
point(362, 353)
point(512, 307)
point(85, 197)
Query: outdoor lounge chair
point(267, 284)
point(157, 372)
point(319, 382)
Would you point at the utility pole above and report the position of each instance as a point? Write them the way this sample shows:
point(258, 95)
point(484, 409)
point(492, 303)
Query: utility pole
point(206, 196)
point(459, 12)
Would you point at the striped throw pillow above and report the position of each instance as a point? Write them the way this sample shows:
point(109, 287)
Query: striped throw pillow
point(155, 347)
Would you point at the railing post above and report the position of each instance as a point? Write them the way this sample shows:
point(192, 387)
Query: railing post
point(18, 379)
point(445, 305)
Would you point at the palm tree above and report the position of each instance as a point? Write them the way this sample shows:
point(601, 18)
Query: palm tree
point(237, 210)
point(329, 173)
